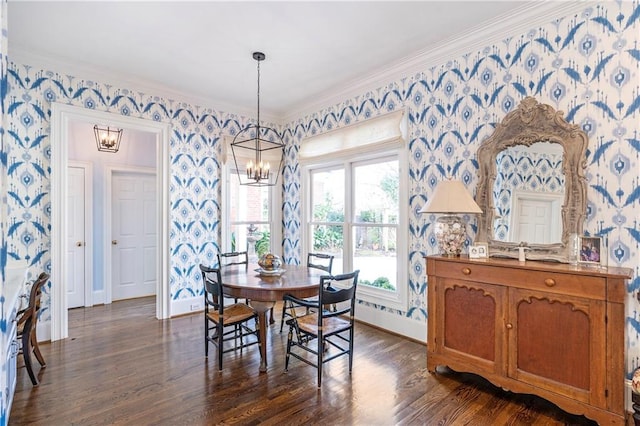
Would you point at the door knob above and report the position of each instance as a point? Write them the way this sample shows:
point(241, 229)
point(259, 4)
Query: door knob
point(79, 244)
point(114, 242)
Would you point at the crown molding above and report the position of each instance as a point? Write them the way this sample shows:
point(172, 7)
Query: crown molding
point(513, 23)
point(85, 71)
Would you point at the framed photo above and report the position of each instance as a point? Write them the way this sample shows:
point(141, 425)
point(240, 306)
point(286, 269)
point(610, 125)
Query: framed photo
point(479, 251)
point(590, 250)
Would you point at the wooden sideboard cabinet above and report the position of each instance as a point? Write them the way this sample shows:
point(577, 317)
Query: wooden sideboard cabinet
point(548, 329)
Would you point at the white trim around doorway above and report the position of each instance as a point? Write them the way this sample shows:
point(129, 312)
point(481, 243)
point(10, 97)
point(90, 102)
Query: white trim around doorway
point(61, 116)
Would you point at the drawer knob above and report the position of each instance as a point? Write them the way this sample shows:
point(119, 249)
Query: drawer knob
point(466, 271)
point(509, 326)
point(549, 282)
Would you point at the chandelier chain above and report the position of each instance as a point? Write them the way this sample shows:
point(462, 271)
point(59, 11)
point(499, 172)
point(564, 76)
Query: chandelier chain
point(258, 124)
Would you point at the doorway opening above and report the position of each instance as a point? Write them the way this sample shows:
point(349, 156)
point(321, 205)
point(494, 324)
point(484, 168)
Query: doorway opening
point(62, 117)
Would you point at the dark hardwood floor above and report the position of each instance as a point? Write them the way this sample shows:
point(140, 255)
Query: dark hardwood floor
point(122, 366)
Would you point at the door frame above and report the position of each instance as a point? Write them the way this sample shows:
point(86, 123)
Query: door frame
point(88, 226)
point(61, 116)
point(108, 217)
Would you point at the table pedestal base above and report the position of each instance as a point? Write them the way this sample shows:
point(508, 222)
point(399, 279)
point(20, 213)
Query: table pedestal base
point(261, 309)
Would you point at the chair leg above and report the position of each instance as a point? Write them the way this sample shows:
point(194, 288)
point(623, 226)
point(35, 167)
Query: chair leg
point(206, 337)
point(26, 354)
point(220, 345)
point(350, 349)
point(284, 312)
point(271, 319)
point(286, 360)
point(36, 349)
point(320, 356)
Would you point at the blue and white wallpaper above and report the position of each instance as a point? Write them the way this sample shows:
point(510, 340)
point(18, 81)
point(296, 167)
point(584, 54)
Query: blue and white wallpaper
point(3, 199)
point(585, 64)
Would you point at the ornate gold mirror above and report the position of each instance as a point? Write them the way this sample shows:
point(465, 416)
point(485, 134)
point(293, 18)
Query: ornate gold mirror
point(531, 187)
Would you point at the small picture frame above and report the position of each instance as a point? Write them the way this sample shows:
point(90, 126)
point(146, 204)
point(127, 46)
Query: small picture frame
point(590, 250)
point(479, 251)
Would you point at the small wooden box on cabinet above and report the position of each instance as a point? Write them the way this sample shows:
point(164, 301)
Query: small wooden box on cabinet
point(548, 329)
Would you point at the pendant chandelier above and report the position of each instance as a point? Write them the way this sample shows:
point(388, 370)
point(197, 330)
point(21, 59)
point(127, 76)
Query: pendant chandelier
point(260, 147)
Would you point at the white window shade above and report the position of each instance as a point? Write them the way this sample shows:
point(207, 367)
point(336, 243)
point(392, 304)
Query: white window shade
point(383, 131)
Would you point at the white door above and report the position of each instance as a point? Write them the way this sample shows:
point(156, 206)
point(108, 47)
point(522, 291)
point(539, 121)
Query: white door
point(76, 241)
point(536, 218)
point(133, 235)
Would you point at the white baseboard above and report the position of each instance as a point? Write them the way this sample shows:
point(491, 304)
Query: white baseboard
point(416, 330)
point(98, 297)
point(186, 306)
point(43, 331)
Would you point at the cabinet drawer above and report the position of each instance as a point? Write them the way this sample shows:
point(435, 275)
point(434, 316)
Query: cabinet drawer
point(571, 284)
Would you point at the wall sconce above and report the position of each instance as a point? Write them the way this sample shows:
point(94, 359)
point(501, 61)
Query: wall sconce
point(450, 198)
point(107, 139)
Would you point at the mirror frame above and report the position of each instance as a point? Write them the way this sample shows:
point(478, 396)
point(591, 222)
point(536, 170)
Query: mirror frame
point(534, 122)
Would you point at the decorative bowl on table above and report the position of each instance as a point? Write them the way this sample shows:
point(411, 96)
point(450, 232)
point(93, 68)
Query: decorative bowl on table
point(270, 262)
point(270, 265)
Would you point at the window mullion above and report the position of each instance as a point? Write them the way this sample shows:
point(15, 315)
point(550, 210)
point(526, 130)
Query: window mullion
point(349, 232)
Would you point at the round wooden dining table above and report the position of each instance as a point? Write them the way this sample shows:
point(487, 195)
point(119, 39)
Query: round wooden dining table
point(264, 290)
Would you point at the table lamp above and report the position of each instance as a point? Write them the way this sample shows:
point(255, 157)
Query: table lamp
point(635, 396)
point(451, 198)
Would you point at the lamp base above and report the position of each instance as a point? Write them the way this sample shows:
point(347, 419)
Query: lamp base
point(635, 396)
point(451, 233)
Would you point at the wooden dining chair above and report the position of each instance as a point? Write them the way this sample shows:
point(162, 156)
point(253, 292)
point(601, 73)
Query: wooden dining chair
point(225, 323)
point(27, 320)
point(233, 258)
point(332, 331)
point(321, 261)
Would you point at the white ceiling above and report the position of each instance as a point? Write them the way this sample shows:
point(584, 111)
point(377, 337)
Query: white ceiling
point(202, 51)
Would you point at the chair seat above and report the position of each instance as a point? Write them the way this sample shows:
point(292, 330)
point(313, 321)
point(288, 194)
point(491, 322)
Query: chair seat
point(233, 314)
point(331, 325)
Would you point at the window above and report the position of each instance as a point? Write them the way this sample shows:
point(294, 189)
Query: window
point(249, 226)
point(354, 210)
point(249, 215)
point(375, 222)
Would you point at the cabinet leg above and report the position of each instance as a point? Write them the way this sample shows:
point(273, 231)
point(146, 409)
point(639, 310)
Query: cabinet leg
point(431, 366)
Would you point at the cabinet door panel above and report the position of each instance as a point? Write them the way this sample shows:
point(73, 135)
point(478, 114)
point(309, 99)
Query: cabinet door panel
point(557, 342)
point(472, 324)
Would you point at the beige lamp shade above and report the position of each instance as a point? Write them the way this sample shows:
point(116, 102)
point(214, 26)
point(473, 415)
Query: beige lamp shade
point(451, 196)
